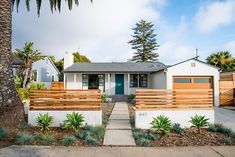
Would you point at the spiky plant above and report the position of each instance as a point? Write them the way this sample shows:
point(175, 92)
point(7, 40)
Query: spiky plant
point(161, 124)
point(199, 122)
point(44, 121)
point(73, 121)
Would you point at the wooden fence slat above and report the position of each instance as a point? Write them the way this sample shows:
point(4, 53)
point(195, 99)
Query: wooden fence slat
point(176, 99)
point(60, 99)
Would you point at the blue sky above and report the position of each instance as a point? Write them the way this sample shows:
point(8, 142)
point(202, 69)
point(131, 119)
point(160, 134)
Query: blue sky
point(101, 30)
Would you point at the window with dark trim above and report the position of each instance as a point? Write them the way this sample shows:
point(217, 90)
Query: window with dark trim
point(143, 80)
point(182, 80)
point(138, 80)
point(202, 80)
point(133, 80)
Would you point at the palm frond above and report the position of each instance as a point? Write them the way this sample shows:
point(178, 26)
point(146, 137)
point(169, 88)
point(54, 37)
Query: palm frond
point(27, 3)
point(39, 3)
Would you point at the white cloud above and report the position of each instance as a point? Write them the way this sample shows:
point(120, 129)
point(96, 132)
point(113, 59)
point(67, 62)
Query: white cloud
point(100, 30)
point(175, 49)
point(212, 15)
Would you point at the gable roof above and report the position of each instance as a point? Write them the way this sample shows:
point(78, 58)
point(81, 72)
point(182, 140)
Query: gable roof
point(53, 64)
point(115, 67)
point(16, 61)
point(195, 59)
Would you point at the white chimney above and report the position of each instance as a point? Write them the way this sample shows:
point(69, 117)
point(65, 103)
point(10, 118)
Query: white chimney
point(68, 60)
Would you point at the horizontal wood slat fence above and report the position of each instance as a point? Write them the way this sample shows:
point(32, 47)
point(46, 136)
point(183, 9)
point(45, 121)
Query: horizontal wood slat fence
point(177, 99)
point(227, 93)
point(58, 99)
point(57, 85)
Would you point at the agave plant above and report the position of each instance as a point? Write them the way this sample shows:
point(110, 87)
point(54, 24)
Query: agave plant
point(73, 121)
point(161, 124)
point(44, 121)
point(199, 122)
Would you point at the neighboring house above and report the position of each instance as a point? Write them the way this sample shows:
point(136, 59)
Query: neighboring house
point(124, 78)
point(16, 63)
point(44, 71)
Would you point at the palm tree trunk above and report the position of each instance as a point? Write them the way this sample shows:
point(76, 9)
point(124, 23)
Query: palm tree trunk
point(9, 100)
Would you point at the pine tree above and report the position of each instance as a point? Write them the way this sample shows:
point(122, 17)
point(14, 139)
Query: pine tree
point(144, 42)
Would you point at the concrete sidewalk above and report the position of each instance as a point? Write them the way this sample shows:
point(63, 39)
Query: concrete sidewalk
point(42, 151)
point(118, 130)
point(225, 117)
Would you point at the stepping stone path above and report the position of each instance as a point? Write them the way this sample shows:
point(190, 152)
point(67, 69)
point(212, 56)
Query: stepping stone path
point(118, 130)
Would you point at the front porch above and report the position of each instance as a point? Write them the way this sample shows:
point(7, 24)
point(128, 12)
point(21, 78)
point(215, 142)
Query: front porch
point(109, 83)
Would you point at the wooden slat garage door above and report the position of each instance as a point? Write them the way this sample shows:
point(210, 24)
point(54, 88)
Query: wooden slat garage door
point(192, 82)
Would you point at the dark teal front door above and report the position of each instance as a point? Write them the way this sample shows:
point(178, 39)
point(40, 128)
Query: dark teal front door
point(119, 88)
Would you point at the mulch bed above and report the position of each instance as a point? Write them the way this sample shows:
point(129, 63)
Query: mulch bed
point(190, 137)
point(56, 131)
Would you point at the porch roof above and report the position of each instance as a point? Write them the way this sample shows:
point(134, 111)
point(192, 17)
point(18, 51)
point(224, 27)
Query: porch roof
point(121, 67)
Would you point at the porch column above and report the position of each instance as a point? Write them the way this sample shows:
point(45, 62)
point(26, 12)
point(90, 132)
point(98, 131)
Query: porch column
point(109, 84)
point(74, 80)
point(65, 82)
point(128, 83)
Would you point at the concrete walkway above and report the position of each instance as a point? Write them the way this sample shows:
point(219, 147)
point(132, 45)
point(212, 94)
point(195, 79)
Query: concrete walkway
point(118, 130)
point(42, 151)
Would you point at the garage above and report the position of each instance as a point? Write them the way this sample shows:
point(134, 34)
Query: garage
point(192, 82)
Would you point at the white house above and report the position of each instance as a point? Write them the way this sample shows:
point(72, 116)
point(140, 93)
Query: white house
point(44, 71)
point(123, 78)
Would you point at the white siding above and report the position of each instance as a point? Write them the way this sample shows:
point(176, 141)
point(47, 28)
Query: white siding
point(200, 69)
point(158, 80)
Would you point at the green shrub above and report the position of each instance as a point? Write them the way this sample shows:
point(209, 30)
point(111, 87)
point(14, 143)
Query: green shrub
point(91, 141)
point(24, 126)
point(105, 120)
point(46, 139)
point(104, 98)
point(227, 141)
point(143, 142)
point(99, 132)
point(232, 134)
point(23, 93)
point(68, 140)
point(199, 122)
point(3, 134)
point(44, 121)
point(37, 86)
point(161, 124)
point(73, 121)
point(24, 138)
point(17, 81)
point(150, 136)
point(131, 98)
point(225, 131)
point(177, 128)
point(214, 127)
point(138, 134)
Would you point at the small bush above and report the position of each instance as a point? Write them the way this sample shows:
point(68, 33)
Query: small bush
point(131, 98)
point(23, 93)
point(91, 141)
point(161, 124)
point(99, 132)
point(105, 120)
point(73, 121)
point(143, 142)
point(232, 134)
point(3, 134)
point(150, 136)
point(24, 138)
point(37, 86)
point(104, 98)
point(24, 126)
point(227, 141)
point(44, 121)
point(225, 131)
point(46, 139)
point(177, 128)
point(68, 141)
point(138, 134)
point(199, 122)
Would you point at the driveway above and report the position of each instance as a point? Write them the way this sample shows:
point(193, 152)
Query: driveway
point(41, 151)
point(225, 117)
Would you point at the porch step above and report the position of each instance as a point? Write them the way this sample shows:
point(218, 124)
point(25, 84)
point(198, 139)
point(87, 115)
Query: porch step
point(119, 98)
